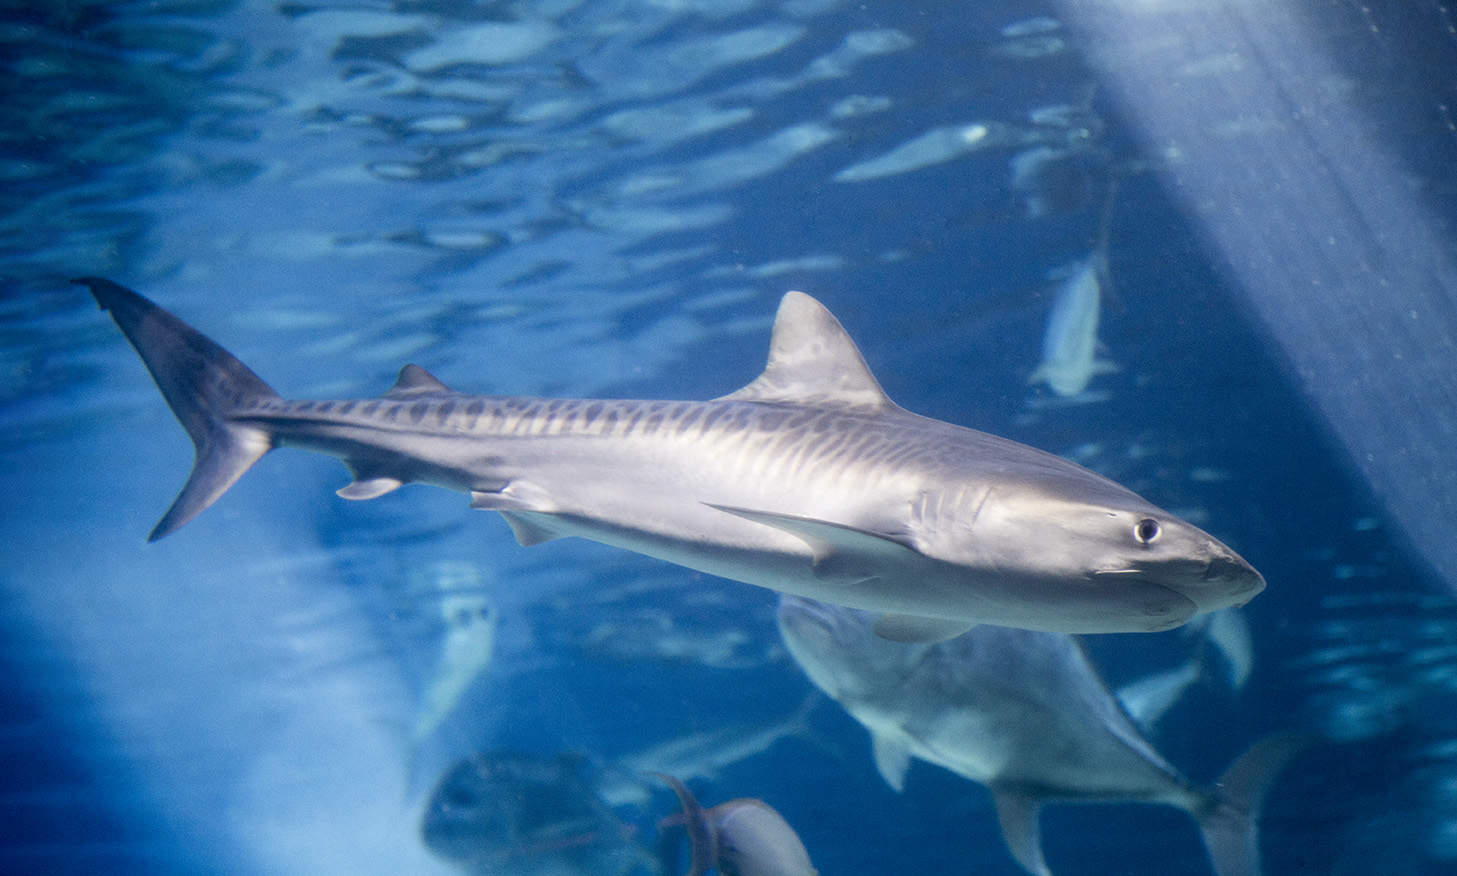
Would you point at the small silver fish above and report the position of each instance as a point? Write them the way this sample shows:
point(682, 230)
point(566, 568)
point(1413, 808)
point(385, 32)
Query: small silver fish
point(1070, 342)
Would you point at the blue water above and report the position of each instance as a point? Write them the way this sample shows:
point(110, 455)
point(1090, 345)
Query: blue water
point(607, 198)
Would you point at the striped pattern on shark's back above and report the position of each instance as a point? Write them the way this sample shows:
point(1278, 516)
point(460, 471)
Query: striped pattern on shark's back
point(763, 440)
point(491, 416)
point(793, 435)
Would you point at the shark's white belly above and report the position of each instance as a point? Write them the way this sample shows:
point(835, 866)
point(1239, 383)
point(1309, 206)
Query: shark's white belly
point(665, 500)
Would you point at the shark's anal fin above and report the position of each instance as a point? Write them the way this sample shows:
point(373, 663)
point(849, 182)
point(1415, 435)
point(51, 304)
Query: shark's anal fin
point(369, 488)
point(1017, 814)
point(912, 629)
point(841, 553)
point(892, 760)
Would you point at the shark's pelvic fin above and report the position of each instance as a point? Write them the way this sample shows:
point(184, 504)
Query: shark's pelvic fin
point(813, 361)
point(527, 507)
point(516, 495)
point(892, 760)
point(203, 383)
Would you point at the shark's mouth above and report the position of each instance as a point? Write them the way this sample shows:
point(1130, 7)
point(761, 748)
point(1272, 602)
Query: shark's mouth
point(1166, 607)
point(1221, 582)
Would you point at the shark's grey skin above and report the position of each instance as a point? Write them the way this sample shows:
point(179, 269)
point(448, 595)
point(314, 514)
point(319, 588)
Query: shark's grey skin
point(1023, 713)
point(808, 481)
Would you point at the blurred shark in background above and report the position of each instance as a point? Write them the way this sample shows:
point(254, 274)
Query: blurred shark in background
point(1025, 714)
point(503, 813)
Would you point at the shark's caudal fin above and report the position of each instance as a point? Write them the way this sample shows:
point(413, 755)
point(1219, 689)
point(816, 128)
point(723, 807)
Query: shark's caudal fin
point(203, 383)
point(701, 835)
point(1230, 825)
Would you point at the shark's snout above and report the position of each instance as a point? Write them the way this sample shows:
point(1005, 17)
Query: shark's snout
point(1234, 571)
point(1171, 591)
point(1232, 580)
point(1223, 581)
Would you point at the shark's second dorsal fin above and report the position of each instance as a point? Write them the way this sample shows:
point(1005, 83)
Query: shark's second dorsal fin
point(416, 381)
point(813, 361)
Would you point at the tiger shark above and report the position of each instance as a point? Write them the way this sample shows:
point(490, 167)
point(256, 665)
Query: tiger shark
point(809, 481)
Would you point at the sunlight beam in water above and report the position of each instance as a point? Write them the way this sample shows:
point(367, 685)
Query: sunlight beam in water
point(1315, 221)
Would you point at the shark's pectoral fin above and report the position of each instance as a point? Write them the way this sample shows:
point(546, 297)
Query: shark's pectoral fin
point(841, 553)
point(1017, 813)
point(1229, 632)
point(892, 760)
point(919, 630)
point(1147, 700)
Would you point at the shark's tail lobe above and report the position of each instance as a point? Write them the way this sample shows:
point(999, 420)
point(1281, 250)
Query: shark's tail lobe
point(701, 834)
point(1231, 821)
point(204, 384)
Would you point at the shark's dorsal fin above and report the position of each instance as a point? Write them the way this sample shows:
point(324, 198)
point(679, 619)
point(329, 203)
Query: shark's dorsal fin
point(813, 361)
point(416, 381)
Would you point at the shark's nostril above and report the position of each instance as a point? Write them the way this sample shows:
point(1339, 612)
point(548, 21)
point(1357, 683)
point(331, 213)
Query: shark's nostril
point(1234, 573)
point(1220, 568)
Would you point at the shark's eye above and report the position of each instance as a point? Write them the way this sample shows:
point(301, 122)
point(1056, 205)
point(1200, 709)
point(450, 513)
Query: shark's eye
point(1146, 530)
